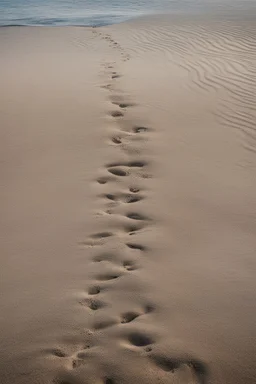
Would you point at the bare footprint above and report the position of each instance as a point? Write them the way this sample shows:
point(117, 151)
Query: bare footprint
point(108, 276)
point(56, 352)
point(103, 180)
point(170, 364)
point(117, 140)
point(123, 104)
point(129, 265)
point(136, 246)
point(111, 197)
point(127, 317)
point(101, 235)
point(131, 229)
point(133, 199)
point(136, 216)
point(93, 304)
point(131, 164)
point(134, 190)
point(118, 171)
point(94, 290)
point(140, 129)
point(116, 114)
point(139, 339)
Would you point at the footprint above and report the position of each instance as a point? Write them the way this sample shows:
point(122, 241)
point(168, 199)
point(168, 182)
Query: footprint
point(139, 339)
point(116, 114)
point(134, 190)
point(136, 216)
point(131, 164)
point(140, 129)
point(101, 235)
point(128, 317)
point(129, 266)
point(171, 364)
point(118, 171)
point(132, 228)
point(138, 164)
point(133, 199)
point(116, 140)
point(56, 352)
point(136, 246)
point(115, 76)
point(123, 104)
point(93, 304)
point(81, 358)
point(108, 276)
point(94, 290)
point(111, 197)
point(103, 180)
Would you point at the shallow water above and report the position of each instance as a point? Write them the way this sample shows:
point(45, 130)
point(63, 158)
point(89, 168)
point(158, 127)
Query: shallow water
point(101, 12)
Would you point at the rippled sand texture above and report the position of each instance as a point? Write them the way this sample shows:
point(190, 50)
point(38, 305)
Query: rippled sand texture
point(130, 190)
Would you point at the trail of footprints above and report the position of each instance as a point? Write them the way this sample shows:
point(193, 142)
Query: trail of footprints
point(118, 267)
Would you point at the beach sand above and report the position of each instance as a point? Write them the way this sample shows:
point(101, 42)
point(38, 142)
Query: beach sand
point(128, 202)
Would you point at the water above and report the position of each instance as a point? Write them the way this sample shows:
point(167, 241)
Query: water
point(98, 12)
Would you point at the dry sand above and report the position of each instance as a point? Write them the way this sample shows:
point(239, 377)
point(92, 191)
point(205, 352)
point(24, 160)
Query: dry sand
point(128, 203)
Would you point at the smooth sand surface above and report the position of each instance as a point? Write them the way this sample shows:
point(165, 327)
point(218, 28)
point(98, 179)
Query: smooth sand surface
point(128, 203)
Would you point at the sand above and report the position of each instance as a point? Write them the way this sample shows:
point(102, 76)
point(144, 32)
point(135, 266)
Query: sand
point(128, 202)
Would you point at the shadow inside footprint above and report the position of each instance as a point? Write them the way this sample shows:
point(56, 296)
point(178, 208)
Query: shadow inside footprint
point(137, 164)
point(132, 199)
point(116, 140)
point(102, 180)
point(94, 290)
point(128, 317)
point(56, 352)
point(134, 190)
point(136, 246)
point(118, 171)
point(101, 235)
point(132, 228)
point(136, 216)
point(140, 129)
point(116, 114)
point(129, 265)
point(139, 339)
point(126, 105)
point(171, 364)
point(108, 276)
point(109, 196)
point(94, 305)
